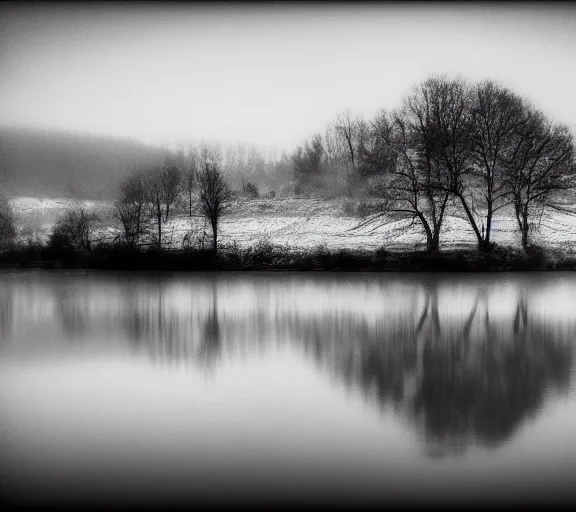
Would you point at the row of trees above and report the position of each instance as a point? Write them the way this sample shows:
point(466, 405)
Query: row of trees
point(451, 146)
point(476, 148)
point(196, 177)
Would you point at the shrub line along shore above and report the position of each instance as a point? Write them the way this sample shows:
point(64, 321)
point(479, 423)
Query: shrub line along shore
point(267, 257)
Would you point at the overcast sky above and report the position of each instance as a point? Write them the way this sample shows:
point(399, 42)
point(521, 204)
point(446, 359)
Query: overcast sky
point(270, 75)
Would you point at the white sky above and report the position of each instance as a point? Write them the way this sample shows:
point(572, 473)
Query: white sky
point(268, 75)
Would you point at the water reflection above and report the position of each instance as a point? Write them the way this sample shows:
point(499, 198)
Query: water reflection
point(466, 362)
point(478, 383)
point(6, 314)
point(72, 311)
point(210, 348)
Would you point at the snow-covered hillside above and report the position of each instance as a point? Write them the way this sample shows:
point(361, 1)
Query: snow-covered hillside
point(299, 223)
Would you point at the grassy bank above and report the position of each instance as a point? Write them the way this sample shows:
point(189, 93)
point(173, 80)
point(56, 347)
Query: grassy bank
point(267, 256)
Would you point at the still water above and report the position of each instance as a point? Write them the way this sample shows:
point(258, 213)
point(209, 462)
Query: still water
point(168, 389)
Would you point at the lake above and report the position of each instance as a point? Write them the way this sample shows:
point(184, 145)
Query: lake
point(261, 388)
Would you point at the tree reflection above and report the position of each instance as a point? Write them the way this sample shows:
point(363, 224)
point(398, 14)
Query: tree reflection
point(72, 311)
point(461, 380)
point(210, 347)
point(462, 384)
point(6, 313)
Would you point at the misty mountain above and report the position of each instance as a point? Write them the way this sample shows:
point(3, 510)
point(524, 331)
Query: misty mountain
point(52, 163)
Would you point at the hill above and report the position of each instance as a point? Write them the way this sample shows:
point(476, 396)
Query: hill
point(46, 163)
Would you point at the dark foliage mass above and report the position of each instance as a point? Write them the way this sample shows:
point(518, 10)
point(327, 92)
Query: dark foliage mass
point(72, 233)
point(63, 253)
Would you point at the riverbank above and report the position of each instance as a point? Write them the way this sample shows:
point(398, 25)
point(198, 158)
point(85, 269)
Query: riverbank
point(267, 256)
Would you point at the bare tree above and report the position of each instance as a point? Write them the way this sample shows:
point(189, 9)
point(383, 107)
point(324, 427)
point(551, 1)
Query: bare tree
point(450, 130)
point(162, 186)
point(171, 178)
point(243, 164)
point(214, 197)
point(255, 167)
point(349, 134)
point(421, 171)
point(235, 166)
point(154, 189)
point(538, 165)
point(130, 208)
point(497, 114)
point(411, 175)
point(308, 165)
point(336, 161)
point(378, 155)
point(190, 177)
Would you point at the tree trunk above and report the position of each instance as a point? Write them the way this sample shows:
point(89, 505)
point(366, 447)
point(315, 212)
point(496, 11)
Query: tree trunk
point(429, 243)
point(159, 219)
point(428, 232)
point(522, 219)
point(472, 221)
point(138, 215)
point(215, 239)
point(488, 224)
point(434, 246)
point(524, 230)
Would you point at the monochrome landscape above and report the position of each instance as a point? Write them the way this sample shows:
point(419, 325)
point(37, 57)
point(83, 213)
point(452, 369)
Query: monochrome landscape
point(287, 255)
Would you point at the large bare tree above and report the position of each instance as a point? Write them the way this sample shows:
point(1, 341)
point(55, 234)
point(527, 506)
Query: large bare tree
point(497, 114)
point(418, 184)
point(449, 130)
point(214, 197)
point(412, 177)
point(539, 164)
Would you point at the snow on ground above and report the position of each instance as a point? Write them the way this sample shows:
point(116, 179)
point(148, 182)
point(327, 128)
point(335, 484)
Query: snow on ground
point(298, 222)
point(36, 216)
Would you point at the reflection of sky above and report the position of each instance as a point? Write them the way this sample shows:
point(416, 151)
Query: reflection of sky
point(268, 422)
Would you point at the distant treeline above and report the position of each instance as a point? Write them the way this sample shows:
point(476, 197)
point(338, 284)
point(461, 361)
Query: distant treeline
point(48, 163)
